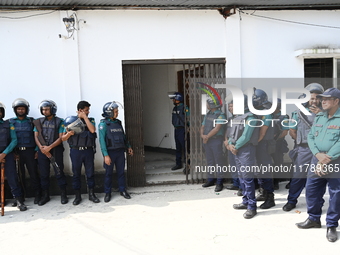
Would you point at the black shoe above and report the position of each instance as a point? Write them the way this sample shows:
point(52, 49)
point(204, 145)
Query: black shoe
point(240, 193)
point(218, 187)
point(37, 197)
point(332, 235)
point(269, 203)
point(231, 187)
point(249, 214)
point(63, 197)
point(45, 198)
point(176, 167)
point(125, 194)
point(107, 197)
point(15, 204)
point(262, 195)
point(240, 206)
point(20, 204)
point(287, 185)
point(309, 224)
point(93, 197)
point(77, 199)
point(208, 184)
point(288, 207)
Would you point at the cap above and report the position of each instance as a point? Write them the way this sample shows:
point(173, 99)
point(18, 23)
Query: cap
point(331, 92)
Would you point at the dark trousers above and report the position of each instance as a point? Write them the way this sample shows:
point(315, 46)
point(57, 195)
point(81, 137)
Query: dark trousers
point(12, 176)
point(118, 160)
point(180, 145)
point(27, 159)
point(263, 158)
point(316, 188)
point(78, 158)
point(234, 175)
point(44, 168)
point(214, 157)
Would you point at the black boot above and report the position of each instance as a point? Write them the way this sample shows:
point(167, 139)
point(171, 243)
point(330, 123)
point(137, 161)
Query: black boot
point(77, 199)
point(20, 204)
point(37, 197)
point(63, 197)
point(45, 197)
point(269, 201)
point(15, 204)
point(92, 196)
point(262, 195)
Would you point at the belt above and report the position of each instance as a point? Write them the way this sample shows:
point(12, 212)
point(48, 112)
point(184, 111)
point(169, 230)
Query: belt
point(22, 148)
point(81, 148)
point(303, 144)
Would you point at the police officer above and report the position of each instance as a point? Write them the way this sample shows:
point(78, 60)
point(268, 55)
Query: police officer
point(48, 131)
point(179, 113)
point(242, 143)
point(323, 140)
point(113, 144)
point(213, 141)
point(8, 141)
point(26, 147)
point(81, 136)
point(304, 155)
point(281, 128)
point(231, 157)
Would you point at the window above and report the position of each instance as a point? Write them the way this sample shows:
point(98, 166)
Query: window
point(320, 70)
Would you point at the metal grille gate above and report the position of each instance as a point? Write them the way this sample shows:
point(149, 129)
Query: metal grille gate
point(210, 74)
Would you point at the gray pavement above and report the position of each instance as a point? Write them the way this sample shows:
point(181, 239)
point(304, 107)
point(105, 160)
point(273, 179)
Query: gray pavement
point(178, 219)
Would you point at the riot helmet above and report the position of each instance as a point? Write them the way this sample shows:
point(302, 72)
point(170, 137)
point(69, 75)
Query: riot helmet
point(2, 110)
point(177, 96)
point(315, 88)
point(20, 102)
point(75, 124)
point(109, 107)
point(48, 103)
point(260, 99)
point(213, 103)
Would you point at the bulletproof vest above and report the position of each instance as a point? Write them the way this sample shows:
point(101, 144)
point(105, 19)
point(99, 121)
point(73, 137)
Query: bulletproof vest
point(114, 135)
point(178, 117)
point(303, 129)
point(229, 126)
point(50, 129)
point(84, 139)
point(237, 129)
point(5, 136)
point(209, 121)
point(24, 132)
point(269, 133)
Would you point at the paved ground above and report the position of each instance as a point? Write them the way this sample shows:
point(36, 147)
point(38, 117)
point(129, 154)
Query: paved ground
point(179, 219)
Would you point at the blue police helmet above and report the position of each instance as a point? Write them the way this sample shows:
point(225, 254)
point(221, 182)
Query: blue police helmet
point(315, 88)
point(108, 108)
point(177, 96)
point(260, 99)
point(2, 109)
point(48, 103)
point(212, 104)
point(20, 102)
point(75, 124)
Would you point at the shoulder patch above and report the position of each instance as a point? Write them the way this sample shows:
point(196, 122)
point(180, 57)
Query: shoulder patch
point(101, 127)
point(12, 128)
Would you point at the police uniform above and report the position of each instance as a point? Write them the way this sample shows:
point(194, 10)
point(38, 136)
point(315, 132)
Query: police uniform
point(178, 121)
point(303, 158)
point(82, 150)
point(50, 132)
point(231, 158)
point(245, 137)
point(113, 144)
point(26, 149)
point(8, 141)
point(213, 147)
point(324, 137)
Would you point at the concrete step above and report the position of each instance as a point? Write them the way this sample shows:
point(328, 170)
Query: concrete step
point(155, 156)
point(165, 179)
point(159, 164)
point(164, 171)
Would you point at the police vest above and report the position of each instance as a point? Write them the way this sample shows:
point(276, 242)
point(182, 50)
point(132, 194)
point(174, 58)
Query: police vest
point(84, 139)
point(209, 121)
point(5, 136)
point(178, 117)
point(269, 133)
point(50, 129)
point(24, 132)
point(303, 128)
point(114, 135)
point(237, 129)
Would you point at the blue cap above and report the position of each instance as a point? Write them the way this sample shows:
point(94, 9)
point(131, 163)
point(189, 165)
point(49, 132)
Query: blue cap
point(331, 92)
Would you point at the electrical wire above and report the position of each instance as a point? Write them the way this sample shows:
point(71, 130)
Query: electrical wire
point(288, 21)
point(28, 16)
